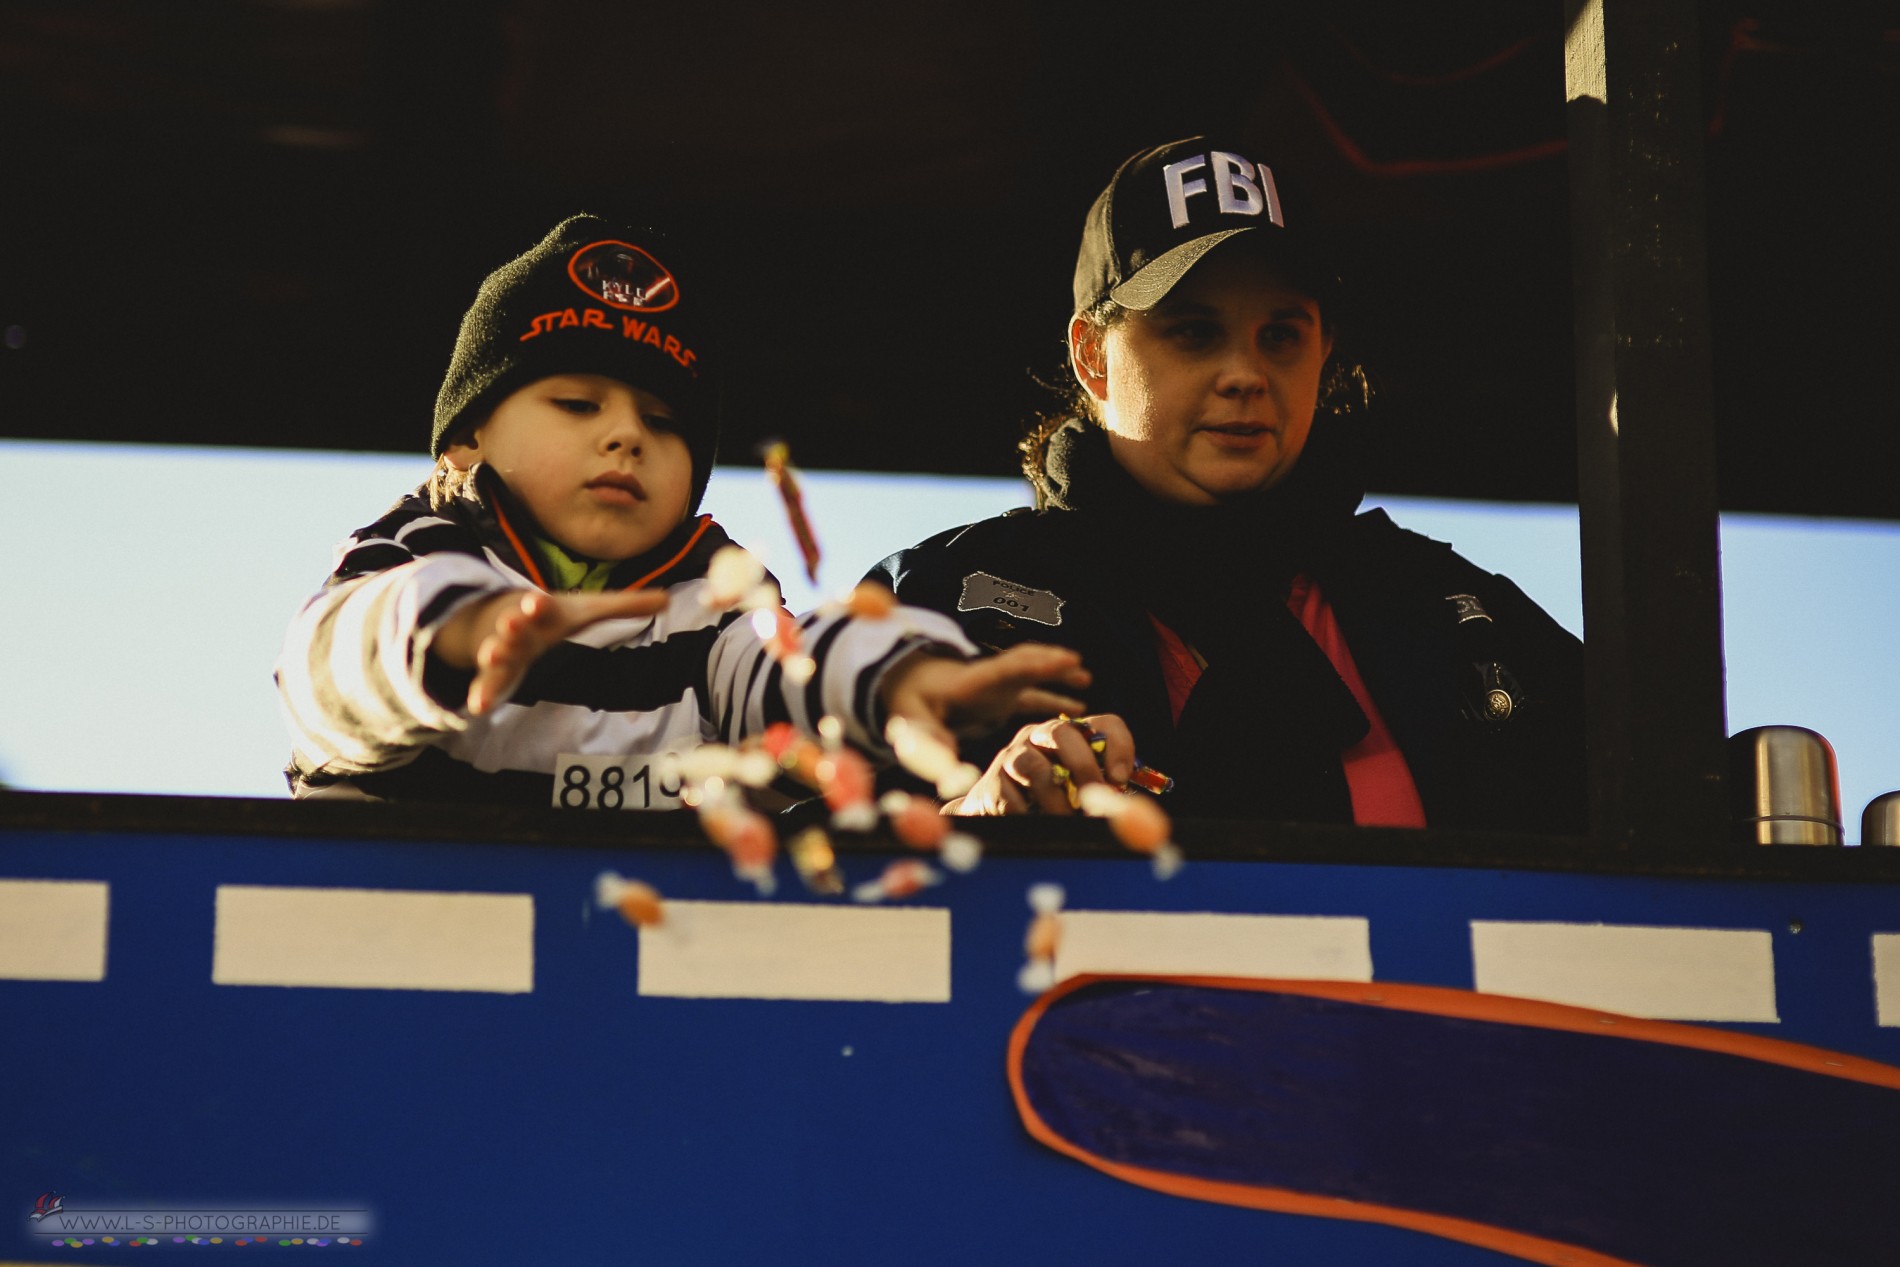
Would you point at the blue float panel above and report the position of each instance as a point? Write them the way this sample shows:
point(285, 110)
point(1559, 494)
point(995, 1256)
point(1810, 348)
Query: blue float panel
point(581, 1121)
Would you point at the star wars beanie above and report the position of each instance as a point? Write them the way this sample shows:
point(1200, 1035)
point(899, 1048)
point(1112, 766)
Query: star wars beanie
point(593, 297)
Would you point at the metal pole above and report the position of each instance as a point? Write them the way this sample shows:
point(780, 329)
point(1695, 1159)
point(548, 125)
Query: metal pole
point(1645, 426)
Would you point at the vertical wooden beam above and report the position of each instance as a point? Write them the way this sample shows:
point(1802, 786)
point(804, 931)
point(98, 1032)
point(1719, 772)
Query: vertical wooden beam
point(1645, 426)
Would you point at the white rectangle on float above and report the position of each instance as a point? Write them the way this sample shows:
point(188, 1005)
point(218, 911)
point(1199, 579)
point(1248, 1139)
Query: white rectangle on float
point(783, 950)
point(1309, 947)
point(1678, 974)
point(1887, 978)
point(53, 930)
point(374, 939)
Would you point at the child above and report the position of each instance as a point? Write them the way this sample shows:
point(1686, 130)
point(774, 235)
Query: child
point(533, 626)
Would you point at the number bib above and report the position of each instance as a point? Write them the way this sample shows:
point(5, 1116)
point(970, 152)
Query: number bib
point(610, 782)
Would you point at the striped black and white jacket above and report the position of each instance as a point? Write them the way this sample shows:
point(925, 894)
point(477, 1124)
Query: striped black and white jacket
point(371, 712)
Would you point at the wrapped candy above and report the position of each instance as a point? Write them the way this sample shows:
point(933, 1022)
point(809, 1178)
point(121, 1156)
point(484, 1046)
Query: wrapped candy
point(901, 879)
point(960, 851)
point(917, 822)
point(846, 780)
point(871, 601)
point(1040, 942)
point(795, 753)
point(745, 834)
point(638, 903)
point(699, 764)
point(839, 773)
point(930, 758)
point(914, 820)
point(1137, 822)
point(1150, 780)
point(784, 643)
point(778, 465)
point(816, 861)
point(733, 575)
point(755, 768)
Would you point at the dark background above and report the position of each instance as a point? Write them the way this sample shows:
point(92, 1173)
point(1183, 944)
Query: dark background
point(251, 222)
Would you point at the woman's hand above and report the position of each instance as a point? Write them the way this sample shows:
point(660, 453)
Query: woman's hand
point(1022, 777)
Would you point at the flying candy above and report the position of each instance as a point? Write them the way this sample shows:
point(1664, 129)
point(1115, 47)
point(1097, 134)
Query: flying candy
point(842, 775)
point(917, 822)
point(816, 862)
point(961, 851)
point(1039, 943)
point(914, 820)
point(1137, 822)
point(871, 601)
point(846, 780)
point(795, 754)
point(929, 757)
point(901, 879)
point(733, 574)
point(637, 902)
point(778, 464)
point(745, 834)
point(783, 642)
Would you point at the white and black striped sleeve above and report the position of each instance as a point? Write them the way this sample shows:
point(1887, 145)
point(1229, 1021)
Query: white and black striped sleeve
point(749, 690)
point(357, 686)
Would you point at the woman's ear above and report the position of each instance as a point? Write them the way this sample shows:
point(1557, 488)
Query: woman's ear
point(1088, 357)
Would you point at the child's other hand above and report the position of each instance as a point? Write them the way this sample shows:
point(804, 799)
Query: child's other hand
point(500, 637)
point(946, 695)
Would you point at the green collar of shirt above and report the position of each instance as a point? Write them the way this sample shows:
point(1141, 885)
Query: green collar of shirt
point(571, 572)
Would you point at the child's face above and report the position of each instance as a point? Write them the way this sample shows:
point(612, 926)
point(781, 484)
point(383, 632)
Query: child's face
point(596, 461)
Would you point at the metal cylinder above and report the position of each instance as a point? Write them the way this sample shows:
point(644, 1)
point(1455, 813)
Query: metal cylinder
point(1880, 821)
point(1784, 788)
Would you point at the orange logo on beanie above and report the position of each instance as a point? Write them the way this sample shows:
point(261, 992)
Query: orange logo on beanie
point(623, 275)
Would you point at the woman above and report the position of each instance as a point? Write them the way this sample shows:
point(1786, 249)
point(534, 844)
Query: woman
point(1196, 539)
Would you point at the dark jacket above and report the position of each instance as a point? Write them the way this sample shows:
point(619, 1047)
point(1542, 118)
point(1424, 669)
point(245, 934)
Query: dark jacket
point(1480, 760)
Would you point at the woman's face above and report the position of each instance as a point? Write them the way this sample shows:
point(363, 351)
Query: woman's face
point(1210, 394)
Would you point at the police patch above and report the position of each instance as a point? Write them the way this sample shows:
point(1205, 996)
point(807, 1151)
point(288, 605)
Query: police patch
point(983, 592)
point(1467, 607)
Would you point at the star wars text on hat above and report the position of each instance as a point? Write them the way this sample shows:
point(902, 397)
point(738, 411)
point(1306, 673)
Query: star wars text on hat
point(630, 328)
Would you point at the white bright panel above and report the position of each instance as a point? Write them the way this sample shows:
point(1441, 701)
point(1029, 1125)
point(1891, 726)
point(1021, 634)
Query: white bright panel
point(374, 939)
point(786, 950)
point(1887, 978)
point(53, 930)
point(1316, 947)
point(1680, 974)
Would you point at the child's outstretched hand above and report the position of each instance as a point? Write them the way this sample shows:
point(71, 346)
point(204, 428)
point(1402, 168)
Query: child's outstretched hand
point(500, 637)
point(946, 695)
